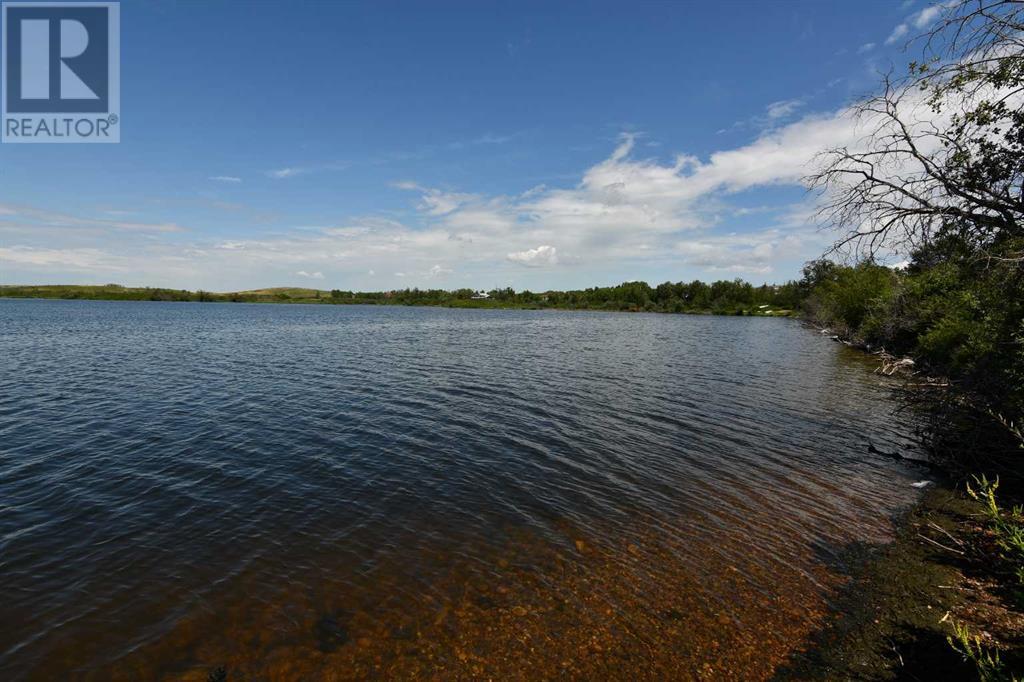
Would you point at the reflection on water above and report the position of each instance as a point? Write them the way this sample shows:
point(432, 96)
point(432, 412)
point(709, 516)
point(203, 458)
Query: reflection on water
point(321, 492)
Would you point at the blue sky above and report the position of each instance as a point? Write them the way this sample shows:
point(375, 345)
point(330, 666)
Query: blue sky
point(382, 145)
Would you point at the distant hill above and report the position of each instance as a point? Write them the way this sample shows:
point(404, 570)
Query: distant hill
point(291, 292)
point(116, 292)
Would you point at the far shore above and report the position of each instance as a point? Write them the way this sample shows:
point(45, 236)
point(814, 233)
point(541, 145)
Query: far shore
point(629, 297)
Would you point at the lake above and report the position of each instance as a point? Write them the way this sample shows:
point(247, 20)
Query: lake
point(335, 492)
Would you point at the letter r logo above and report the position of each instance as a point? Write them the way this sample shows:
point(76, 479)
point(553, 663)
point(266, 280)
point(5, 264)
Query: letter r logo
point(57, 58)
point(35, 59)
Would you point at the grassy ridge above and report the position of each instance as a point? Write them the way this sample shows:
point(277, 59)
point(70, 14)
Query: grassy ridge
point(116, 292)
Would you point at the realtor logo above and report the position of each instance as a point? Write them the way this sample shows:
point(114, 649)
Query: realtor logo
point(61, 72)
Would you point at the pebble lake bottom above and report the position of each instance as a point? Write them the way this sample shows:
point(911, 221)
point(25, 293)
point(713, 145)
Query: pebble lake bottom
point(341, 492)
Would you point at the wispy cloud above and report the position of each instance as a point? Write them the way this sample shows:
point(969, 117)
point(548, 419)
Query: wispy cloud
point(773, 114)
point(544, 255)
point(439, 271)
point(622, 208)
point(225, 178)
point(436, 202)
point(753, 253)
point(35, 216)
point(286, 172)
point(625, 209)
point(898, 33)
point(783, 108)
point(919, 20)
point(490, 138)
point(78, 260)
point(295, 171)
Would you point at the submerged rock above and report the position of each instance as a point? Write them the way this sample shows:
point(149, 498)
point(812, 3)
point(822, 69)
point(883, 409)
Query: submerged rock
point(330, 633)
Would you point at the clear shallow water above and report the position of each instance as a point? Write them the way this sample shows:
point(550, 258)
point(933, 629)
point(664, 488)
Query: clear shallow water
point(307, 492)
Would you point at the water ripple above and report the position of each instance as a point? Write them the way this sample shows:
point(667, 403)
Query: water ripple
point(182, 482)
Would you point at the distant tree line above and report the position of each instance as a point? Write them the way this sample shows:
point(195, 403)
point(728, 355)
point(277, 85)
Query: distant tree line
point(725, 297)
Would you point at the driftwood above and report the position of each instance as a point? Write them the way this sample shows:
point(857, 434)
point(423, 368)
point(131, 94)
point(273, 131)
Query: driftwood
point(892, 365)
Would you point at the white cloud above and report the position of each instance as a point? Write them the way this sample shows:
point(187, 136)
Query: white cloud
point(925, 17)
point(749, 254)
point(293, 171)
point(665, 213)
point(225, 178)
point(539, 257)
point(75, 259)
point(899, 32)
point(623, 208)
point(311, 275)
point(436, 202)
point(46, 218)
point(355, 231)
point(866, 47)
point(489, 138)
point(783, 108)
point(438, 271)
point(442, 203)
point(919, 20)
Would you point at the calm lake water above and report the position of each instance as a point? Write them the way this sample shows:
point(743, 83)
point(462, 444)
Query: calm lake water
point(331, 492)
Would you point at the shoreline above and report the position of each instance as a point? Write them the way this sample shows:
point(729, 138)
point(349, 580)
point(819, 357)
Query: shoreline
point(892, 620)
point(897, 617)
point(783, 313)
point(719, 298)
